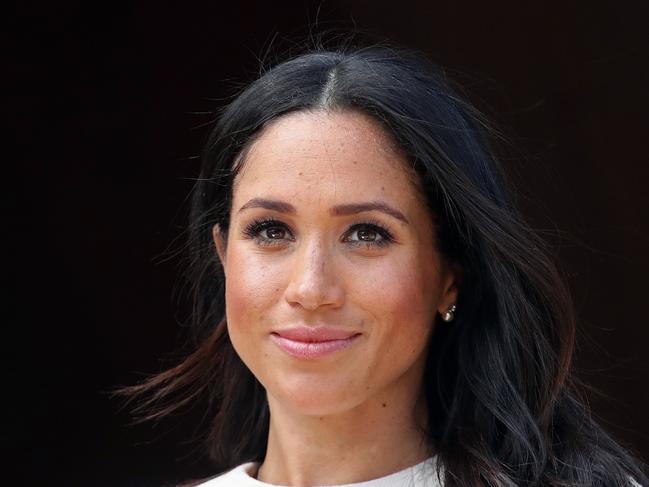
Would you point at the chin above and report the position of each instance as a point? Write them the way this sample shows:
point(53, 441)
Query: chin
point(313, 396)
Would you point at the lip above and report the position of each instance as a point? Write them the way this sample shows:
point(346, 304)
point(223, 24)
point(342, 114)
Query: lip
point(308, 342)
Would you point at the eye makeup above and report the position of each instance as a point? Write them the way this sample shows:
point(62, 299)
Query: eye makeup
point(367, 234)
point(268, 232)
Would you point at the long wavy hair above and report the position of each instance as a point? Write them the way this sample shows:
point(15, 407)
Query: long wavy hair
point(502, 406)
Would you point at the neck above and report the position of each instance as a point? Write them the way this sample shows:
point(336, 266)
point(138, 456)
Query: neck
point(371, 440)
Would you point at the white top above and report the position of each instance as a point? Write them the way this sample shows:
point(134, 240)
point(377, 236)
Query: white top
point(423, 474)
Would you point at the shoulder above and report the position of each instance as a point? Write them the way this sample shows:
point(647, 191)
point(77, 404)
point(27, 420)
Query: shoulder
point(239, 476)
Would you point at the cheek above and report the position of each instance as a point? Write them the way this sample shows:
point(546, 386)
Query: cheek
point(252, 286)
point(404, 289)
point(402, 296)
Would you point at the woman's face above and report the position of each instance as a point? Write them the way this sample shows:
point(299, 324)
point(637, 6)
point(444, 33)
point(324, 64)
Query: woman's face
point(332, 278)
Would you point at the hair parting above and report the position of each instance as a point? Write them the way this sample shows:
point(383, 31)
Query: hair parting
point(503, 407)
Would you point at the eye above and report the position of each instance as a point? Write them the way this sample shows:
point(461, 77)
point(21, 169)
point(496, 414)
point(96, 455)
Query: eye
point(268, 232)
point(368, 235)
point(273, 233)
point(365, 235)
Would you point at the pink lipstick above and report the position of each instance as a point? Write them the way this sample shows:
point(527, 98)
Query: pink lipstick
point(307, 342)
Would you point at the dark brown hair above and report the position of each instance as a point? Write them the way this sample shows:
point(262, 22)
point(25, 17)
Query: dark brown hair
point(502, 405)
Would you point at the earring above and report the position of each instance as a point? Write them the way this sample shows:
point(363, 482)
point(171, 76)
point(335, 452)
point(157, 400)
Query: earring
point(449, 314)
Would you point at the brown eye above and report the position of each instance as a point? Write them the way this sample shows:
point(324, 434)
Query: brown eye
point(366, 235)
point(276, 233)
point(268, 232)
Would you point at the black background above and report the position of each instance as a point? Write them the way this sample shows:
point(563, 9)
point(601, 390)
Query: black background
point(106, 107)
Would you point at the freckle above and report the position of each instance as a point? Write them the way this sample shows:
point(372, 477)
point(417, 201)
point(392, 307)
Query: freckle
point(300, 173)
point(383, 404)
point(382, 188)
point(367, 388)
point(354, 162)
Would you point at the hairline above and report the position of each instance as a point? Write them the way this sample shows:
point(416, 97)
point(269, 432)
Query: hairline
point(390, 139)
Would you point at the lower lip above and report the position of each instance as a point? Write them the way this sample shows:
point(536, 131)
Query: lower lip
point(311, 350)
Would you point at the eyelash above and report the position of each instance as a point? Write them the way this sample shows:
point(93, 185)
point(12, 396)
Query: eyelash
point(253, 231)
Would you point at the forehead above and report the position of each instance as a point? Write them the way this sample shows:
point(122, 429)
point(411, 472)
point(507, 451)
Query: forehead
point(320, 151)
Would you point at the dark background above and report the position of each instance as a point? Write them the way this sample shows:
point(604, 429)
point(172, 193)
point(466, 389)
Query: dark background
point(106, 107)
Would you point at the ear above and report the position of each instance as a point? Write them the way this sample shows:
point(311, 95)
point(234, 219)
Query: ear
point(220, 242)
point(450, 286)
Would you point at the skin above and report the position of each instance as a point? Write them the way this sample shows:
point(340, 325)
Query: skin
point(360, 408)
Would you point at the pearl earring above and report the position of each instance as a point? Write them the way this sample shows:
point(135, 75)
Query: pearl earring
point(449, 314)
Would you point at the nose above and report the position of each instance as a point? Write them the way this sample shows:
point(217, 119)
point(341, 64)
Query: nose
point(314, 282)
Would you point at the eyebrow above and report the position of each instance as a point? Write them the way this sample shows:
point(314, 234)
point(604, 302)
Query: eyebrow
point(339, 210)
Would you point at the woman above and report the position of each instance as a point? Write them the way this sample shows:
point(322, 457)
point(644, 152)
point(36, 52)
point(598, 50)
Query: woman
point(369, 306)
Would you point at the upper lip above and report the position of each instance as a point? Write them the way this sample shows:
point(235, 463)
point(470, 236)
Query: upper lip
point(315, 333)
